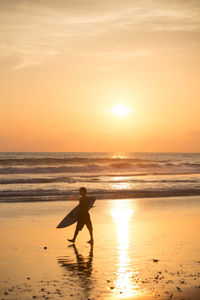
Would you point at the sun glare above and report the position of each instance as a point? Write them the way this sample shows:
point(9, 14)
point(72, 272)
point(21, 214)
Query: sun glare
point(125, 287)
point(120, 110)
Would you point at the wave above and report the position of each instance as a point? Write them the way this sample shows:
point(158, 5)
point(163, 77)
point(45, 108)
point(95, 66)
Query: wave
point(145, 168)
point(191, 165)
point(68, 160)
point(136, 165)
point(36, 192)
point(46, 170)
point(153, 181)
point(36, 180)
point(56, 195)
point(89, 179)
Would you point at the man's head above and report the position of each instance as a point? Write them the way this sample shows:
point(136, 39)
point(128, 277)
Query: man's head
point(83, 191)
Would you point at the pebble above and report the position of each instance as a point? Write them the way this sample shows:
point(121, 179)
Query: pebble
point(182, 282)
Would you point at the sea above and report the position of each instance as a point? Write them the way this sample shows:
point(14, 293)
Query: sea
point(53, 176)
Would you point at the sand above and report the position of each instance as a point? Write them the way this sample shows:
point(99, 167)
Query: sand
point(144, 249)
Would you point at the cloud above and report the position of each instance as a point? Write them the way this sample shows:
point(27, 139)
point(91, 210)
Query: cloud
point(33, 58)
point(39, 30)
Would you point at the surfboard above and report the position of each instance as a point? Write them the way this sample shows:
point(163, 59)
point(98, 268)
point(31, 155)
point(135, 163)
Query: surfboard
point(72, 216)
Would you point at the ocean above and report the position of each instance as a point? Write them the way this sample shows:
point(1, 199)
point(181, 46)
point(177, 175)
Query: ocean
point(50, 176)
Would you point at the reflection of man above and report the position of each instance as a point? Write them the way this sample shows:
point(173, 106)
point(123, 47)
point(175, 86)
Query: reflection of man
point(84, 216)
point(85, 266)
point(82, 266)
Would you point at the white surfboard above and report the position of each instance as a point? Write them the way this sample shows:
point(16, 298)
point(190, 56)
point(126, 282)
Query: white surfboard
point(72, 216)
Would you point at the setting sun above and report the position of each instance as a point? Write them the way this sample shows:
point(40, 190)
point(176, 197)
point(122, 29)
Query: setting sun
point(120, 110)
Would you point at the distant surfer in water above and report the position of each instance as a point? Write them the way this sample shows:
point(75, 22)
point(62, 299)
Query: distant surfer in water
point(84, 216)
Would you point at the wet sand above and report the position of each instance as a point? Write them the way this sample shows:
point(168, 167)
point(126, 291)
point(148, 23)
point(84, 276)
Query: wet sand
point(144, 249)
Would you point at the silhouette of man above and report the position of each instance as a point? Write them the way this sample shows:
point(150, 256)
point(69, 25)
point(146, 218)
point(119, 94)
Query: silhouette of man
point(84, 216)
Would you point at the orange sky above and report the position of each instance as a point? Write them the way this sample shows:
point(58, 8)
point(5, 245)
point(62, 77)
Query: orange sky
point(65, 64)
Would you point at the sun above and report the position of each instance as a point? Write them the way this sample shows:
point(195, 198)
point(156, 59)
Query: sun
point(120, 110)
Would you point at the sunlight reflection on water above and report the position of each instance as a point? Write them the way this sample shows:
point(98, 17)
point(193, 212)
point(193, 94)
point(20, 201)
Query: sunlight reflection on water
point(122, 212)
point(120, 185)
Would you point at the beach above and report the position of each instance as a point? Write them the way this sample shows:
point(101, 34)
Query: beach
point(144, 249)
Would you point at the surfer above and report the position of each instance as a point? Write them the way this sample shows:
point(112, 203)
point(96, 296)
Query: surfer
point(84, 216)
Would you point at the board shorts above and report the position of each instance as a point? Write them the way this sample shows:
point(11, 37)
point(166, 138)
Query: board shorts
point(84, 219)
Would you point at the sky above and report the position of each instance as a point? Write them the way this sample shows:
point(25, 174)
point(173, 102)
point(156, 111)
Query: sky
point(64, 65)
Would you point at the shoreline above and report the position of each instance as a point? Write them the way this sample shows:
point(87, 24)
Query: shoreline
point(113, 196)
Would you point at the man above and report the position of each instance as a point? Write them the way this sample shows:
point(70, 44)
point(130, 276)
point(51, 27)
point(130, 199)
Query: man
point(84, 216)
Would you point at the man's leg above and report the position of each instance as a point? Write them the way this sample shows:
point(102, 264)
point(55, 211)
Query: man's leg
point(90, 229)
point(91, 241)
point(75, 234)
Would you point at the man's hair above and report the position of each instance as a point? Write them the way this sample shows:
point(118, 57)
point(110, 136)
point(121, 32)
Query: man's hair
point(83, 189)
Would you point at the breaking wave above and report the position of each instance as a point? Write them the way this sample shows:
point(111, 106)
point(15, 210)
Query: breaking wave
point(61, 161)
point(57, 195)
point(146, 168)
